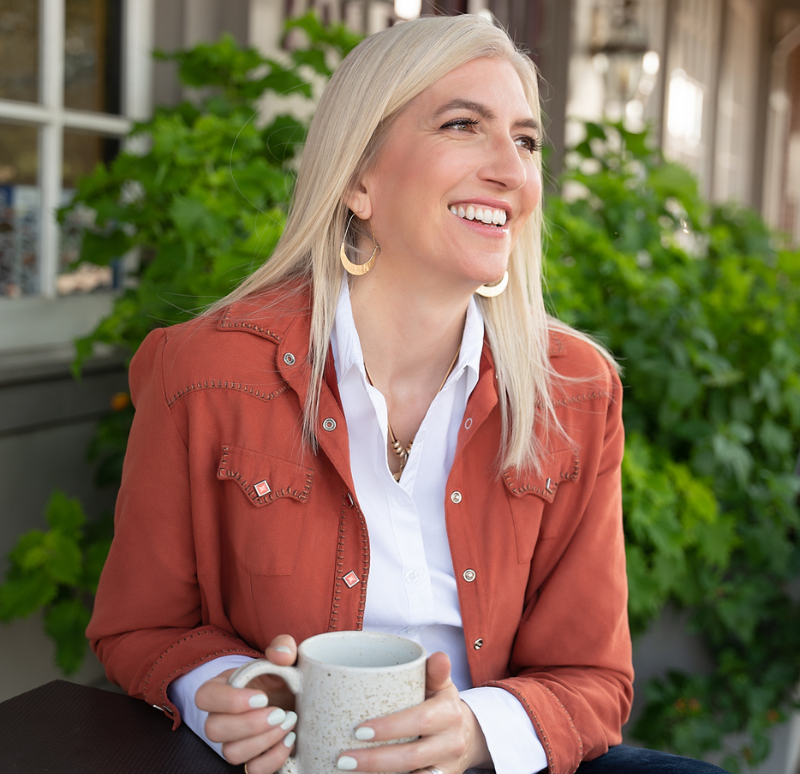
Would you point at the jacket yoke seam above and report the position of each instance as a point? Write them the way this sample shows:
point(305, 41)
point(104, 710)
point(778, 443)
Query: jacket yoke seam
point(213, 384)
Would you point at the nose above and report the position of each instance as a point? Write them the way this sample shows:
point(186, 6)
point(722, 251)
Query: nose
point(504, 166)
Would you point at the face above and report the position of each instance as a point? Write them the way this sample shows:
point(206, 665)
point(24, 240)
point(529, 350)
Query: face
point(456, 178)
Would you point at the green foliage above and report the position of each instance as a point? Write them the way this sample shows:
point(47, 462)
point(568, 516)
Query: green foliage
point(205, 204)
point(702, 307)
point(57, 571)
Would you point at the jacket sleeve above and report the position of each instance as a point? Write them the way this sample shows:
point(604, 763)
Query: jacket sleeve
point(571, 661)
point(146, 627)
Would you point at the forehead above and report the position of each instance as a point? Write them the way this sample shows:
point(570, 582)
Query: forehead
point(494, 83)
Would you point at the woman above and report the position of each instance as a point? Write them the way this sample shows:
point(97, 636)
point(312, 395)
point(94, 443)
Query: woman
point(271, 490)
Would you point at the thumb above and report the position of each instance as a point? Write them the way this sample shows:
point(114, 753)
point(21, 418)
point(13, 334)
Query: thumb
point(437, 674)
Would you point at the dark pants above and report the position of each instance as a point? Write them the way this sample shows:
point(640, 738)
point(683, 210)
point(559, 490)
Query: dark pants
point(633, 760)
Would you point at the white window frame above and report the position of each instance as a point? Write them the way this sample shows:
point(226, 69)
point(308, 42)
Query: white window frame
point(51, 117)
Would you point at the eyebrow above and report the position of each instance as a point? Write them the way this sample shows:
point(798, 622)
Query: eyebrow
point(482, 111)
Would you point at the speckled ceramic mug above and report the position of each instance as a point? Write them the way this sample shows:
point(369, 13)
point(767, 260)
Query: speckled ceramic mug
point(341, 680)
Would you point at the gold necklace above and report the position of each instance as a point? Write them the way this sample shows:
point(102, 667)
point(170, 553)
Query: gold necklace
point(403, 451)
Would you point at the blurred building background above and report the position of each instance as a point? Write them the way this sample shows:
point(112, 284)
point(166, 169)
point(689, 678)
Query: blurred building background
point(718, 80)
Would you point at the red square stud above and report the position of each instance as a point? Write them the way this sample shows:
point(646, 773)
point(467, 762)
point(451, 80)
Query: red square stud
point(351, 579)
point(262, 488)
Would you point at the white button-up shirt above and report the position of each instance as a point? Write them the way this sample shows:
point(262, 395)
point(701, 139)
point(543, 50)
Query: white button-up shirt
point(412, 589)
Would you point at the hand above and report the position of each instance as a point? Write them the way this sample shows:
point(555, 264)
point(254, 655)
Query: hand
point(254, 723)
point(450, 738)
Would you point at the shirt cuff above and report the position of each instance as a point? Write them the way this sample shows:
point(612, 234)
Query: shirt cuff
point(182, 691)
point(510, 736)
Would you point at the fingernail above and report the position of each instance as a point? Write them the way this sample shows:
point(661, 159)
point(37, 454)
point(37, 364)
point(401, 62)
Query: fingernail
point(276, 716)
point(291, 719)
point(258, 700)
point(288, 740)
point(346, 763)
point(365, 733)
point(282, 649)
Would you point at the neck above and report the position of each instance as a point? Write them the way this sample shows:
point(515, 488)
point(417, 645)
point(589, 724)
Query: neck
point(409, 336)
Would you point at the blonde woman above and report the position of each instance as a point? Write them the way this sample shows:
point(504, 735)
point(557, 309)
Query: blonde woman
point(383, 429)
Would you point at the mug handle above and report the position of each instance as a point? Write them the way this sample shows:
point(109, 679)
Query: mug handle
point(293, 677)
point(245, 673)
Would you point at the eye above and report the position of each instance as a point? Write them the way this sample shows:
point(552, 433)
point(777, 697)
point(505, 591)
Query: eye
point(531, 144)
point(461, 124)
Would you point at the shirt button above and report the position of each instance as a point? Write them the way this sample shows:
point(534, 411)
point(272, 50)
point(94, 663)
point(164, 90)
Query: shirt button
point(478, 644)
point(469, 575)
point(329, 424)
point(288, 358)
point(456, 497)
point(412, 576)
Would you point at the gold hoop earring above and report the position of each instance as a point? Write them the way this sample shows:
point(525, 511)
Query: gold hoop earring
point(490, 291)
point(358, 269)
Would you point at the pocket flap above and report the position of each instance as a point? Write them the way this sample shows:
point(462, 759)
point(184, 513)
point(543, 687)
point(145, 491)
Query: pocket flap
point(560, 466)
point(264, 479)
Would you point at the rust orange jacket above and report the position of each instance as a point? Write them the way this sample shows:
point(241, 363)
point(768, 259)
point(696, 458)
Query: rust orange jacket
point(206, 562)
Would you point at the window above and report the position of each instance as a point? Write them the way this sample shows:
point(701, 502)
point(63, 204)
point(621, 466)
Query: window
point(73, 73)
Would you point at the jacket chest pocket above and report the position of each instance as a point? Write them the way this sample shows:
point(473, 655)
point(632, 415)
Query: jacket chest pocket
point(532, 497)
point(265, 499)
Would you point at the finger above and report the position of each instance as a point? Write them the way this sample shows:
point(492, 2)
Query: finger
point(241, 750)
point(433, 716)
point(410, 756)
point(229, 728)
point(270, 761)
point(215, 695)
point(282, 650)
point(437, 673)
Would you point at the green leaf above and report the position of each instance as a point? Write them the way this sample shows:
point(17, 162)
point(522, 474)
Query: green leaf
point(21, 596)
point(65, 514)
point(65, 623)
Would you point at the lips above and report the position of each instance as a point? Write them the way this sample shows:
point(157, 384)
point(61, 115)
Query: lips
point(491, 216)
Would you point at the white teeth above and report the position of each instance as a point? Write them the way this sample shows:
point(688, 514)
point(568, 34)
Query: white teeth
point(485, 215)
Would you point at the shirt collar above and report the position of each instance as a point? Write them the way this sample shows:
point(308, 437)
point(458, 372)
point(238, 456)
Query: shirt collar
point(347, 353)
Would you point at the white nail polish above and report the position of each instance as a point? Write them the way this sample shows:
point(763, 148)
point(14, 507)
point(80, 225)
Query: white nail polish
point(258, 700)
point(346, 763)
point(291, 719)
point(282, 649)
point(276, 716)
point(288, 740)
point(365, 733)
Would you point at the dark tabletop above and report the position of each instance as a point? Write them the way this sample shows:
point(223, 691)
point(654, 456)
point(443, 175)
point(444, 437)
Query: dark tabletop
point(63, 728)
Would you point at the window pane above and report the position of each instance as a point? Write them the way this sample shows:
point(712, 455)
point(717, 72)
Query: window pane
point(19, 50)
point(82, 153)
point(19, 210)
point(92, 55)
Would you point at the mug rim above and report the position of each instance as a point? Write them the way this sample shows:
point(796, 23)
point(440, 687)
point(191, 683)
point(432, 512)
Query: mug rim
point(361, 634)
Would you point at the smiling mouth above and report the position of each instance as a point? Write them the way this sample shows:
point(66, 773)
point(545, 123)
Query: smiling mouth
point(485, 215)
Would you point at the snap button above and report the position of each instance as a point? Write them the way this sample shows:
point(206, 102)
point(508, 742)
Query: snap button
point(468, 423)
point(329, 424)
point(456, 497)
point(478, 644)
point(469, 575)
point(288, 358)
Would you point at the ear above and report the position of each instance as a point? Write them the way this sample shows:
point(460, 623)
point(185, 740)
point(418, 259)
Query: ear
point(359, 201)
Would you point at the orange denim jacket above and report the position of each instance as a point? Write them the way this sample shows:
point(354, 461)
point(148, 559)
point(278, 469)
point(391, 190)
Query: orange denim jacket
point(230, 530)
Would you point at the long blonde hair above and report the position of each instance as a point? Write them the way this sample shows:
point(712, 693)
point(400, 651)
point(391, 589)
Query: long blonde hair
point(370, 87)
